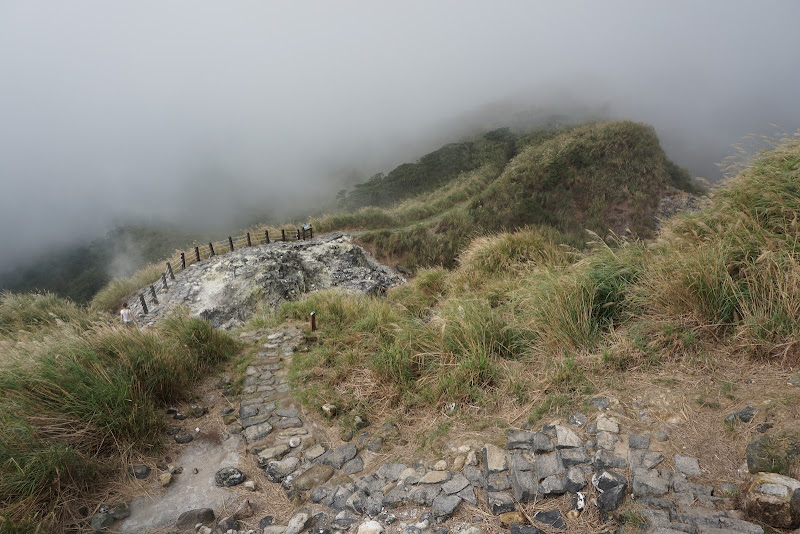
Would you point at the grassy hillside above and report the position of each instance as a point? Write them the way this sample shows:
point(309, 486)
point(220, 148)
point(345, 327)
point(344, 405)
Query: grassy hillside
point(526, 326)
point(600, 177)
point(79, 395)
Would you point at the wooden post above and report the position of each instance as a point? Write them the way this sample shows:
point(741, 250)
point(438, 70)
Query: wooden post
point(230, 242)
point(297, 236)
point(249, 244)
point(164, 281)
point(144, 306)
point(211, 248)
point(197, 253)
point(153, 294)
point(183, 261)
point(283, 234)
point(313, 321)
point(304, 232)
point(311, 232)
point(171, 274)
point(266, 235)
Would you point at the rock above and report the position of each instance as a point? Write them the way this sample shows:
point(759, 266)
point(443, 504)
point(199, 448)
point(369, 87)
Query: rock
point(318, 474)
point(495, 459)
point(600, 403)
point(474, 475)
point(548, 464)
point(661, 435)
point(101, 520)
point(360, 422)
point(444, 506)
point(139, 471)
point(356, 465)
point(607, 424)
point(607, 440)
point(552, 485)
point(577, 419)
point(773, 499)
point(391, 471)
point(188, 520)
point(509, 518)
point(649, 482)
point(612, 487)
point(229, 476)
point(277, 470)
point(298, 523)
point(570, 457)
point(370, 527)
point(120, 511)
point(638, 441)
point(228, 523)
point(603, 459)
point(552, 518)
point(256, 432)
point(244, 510)
point(574, 479)
point(329, 410)
point(340, 456)
point(272, 453)
point(770, 453)
point(645, 459)
point(566, 438)
point(525, 485)
point(183, 438)
point(454, 485)
point(687, 465)
point(314, 452)
point(498, 482)
point(499, 502)
point(434, 477)
point(745, 415)
point(165, 479)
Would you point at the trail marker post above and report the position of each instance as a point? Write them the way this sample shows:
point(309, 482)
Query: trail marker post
point(164, 281)
point(313, 321)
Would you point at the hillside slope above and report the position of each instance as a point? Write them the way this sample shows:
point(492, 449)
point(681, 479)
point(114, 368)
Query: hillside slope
point(601, 177)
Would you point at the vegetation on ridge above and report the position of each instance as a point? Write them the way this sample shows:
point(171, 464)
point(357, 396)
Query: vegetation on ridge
point(525, 322)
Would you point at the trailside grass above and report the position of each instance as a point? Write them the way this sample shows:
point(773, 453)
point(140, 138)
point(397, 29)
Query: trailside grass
point(78, 395)
point(525, 323)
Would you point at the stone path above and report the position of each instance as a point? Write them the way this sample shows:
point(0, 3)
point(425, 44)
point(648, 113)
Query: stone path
point(347, 488)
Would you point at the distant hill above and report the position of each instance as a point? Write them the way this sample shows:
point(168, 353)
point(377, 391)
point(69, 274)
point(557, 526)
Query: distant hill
point(598, 177)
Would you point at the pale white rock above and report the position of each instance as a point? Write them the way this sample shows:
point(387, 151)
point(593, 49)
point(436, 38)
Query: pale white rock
point(441, 465)
point(607, 424)
point(370, 527)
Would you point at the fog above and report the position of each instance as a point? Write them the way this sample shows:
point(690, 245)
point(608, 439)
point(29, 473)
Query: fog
point(204, 113)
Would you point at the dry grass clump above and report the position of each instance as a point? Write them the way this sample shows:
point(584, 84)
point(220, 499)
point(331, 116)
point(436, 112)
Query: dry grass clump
point(111, 297)
point(527, 324)
point(77, 398)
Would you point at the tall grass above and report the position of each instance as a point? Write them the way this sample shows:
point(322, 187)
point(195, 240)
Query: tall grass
point(111, 297)
point(82, 394)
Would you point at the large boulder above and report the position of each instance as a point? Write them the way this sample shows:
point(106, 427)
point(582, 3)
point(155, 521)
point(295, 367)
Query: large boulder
point(773, 499)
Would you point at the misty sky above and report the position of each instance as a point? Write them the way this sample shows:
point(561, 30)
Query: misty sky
point(191, 111)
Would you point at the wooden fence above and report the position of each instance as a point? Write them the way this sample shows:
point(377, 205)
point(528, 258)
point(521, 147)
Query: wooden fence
point(203, 252)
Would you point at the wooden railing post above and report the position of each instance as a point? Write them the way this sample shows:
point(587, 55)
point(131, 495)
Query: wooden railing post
point(164, 281)
point(197, 253)
point(283, 234)
point(230, 242)
point(297, 234)
point(304, 232)
point(171, 274)
point(311, 232)
point(266, 236)
point(249, 244)
point(144, 305)
point(183, 261)
point(153, 294)
point(211, 248)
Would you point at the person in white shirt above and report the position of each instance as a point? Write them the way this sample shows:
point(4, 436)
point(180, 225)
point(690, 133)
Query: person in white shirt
point(126, 316)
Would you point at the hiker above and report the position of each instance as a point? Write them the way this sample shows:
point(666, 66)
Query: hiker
point(126, 316)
